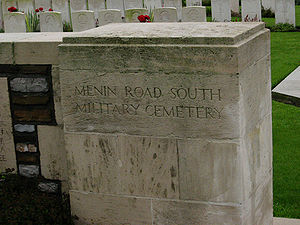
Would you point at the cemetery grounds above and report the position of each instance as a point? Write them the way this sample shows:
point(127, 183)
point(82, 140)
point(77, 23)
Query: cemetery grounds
point(22, 203)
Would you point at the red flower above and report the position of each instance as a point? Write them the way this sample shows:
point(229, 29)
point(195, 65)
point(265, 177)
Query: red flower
point(14, 9)
point(10, 9)
point(142, 18)
point(41, 8)
point(147, 17)
point(36, 10)
point(50, 9)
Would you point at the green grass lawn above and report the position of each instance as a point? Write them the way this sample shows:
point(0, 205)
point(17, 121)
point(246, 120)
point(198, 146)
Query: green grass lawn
point(286, 160)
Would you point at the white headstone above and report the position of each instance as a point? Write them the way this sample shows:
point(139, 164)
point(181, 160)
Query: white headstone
point(235, 6)
point(83, 20)
point(175, 3)
point(167, 14)
point(285, 11)
point(1, 16)
point(14, 22)
point(194, 14)
point(6, 4)
point(25, 5)
point(133, 4)
point(115, 4)
point(131, 15)
point(45, 4)
point(221, 10)
point(96, 6)
point(109, 16)
point(251, 10)
point(77, 5)
point(51, 22)
point(151, 4)
point(268, 4)
point(63, 7)
point(193, 2)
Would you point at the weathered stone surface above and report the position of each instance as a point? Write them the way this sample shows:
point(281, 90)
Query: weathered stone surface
point(24, 128)
point(109, 16)
point(133, 4)
point(6, 4)
point(78, 5)
point(52, 152)
point(96, 6)
point(268, 4)
point(49, 187)
point(23, 147)
point(235, 6)
point(63, 7)
point(33, 115)
point(115, 4)
point(30, 100)
point(131, 15)
point(194, 14)
point(7, 152)
point(28, 170)
point(14, 22)
point(137, 166)
point(221, 10)
point(51, 22)
point(25, 5)
point(94, 208)
point(165, 14)
point(151, 4)
point(174, 3)
point(57, 95)
point(208, 171)
point(169, 212)
point(45, 4)
point(285, 11)
point(194, 3)
point(83, 20)
point(251, 10)
point(29, 85)
point(6, 53)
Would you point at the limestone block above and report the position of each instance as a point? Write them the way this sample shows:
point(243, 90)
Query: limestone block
point(28, 170)
point(7, 152)
point(175, 3)
point(1, 16)
point(63, 7)
point(51, 22)
point(78, 5)
point(151, 4)
point(208, 171)
point(6, 53)
point(24, 128)
point(170, 212)
point(52, 152)
point(235, 6)
point(25, 5)
point(7, 4)
point(57, 95)
point(83, 20)
point(29, 84)
point(133, 4)
point(131, 15)
point(137, 166)
point(268, 4)
point(251, 10)
point(194, 14)
point(109, 16)
point(285, 11)
point(221, 10)
point(96, 6)
point(115, 4)
point(165, 14)
point(94, 208)
point(194, 3)
point(45, 4)
point(14, 22)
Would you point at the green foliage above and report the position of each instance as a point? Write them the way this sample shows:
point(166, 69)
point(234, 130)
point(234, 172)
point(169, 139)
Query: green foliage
point(297, 2)
point(282, 27)
point(23, 203)
point(208, 11)
point(67, 27)
point(267, 13)
point(32, 22)
point(1, 31)
point(206, 3)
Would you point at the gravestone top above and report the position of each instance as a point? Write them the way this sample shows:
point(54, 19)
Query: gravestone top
point(167, 33)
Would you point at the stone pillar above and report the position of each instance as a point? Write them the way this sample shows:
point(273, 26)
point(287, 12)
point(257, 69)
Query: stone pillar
point(285, 11)
point(169, 123)
point(251, 10)
point(221, 11)
point(7, 147)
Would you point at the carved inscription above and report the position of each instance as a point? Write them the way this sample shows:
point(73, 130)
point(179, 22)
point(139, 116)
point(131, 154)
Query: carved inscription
point(105, 100)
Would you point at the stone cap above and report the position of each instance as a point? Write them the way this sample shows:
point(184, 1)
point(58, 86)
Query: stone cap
point(167, 33)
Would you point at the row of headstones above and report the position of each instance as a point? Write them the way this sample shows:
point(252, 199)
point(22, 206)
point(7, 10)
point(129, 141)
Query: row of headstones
point(221, 11)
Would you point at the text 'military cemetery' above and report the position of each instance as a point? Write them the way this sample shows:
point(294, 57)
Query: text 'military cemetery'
point(169, 123)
